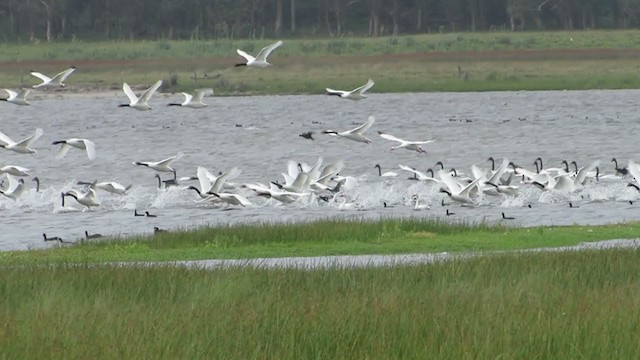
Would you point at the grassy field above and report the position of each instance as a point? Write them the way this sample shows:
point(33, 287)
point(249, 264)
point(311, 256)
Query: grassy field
point(433, 62)
point(529, 306)
point(328, 237)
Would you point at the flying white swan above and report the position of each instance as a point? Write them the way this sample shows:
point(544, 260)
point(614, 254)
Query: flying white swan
point(15, 189)
point(194, 101)
point(259, 61)
point(409, 145)
point(82, 144)
point(15, 170)
point(141, 102)
point(355, 94)
point(162, 165)
point(232, 199)
point(87, 199)
point(22, 147)
point(420, 176)
point(274, 192)
point(355, 134)
point(108, 186)
point(17, 98)
point(455, 190)
point(210, 183)
point(57, 80)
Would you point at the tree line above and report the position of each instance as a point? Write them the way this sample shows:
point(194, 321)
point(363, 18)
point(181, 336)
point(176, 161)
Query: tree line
point(203, 19)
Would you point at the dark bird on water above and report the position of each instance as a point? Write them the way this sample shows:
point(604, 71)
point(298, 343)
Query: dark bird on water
point(136, 213)
point(507, 217)
point(157, 230)
point(307, 135)
point(449, 213)
point(91, 236)
point(150, 215)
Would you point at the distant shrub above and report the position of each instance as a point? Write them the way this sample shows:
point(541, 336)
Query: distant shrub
point(504, 40)
point(492, 76)
point(164, 45)
point(336, 47)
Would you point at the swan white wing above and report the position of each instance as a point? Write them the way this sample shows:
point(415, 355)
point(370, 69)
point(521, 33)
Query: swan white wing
point(292, 169)
point(168, 160)
point(61, 76)
point(299, 182)
point(561, 182)
point(582, 173)
point(203, 179)
point(90, 147)
point(467, 189)
point(264, 53)
point(478, 173)
point(31, 139)
point(634, 169)
point(447, 179)
point(330, 170)
point(362, 89)
point(245, 55)
point(201, 93)
point(64, 149)
point(499, 172)
point(339, 92)
point(150, 91)
point(364, 127)
point(41, 76)
point(222, 179)
point(130, 94)
point(391, 137)
point(187, 98)
point(420, 174)
point(12, 94)
point(420, 142)
point(13, 183)
point(23, 94)
point(5, 139)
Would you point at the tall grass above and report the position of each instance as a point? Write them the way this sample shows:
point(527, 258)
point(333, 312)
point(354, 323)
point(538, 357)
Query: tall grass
point(533, 306)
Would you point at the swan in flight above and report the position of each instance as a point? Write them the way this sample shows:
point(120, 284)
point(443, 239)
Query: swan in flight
point(18, 98)
point(15, 189)
point(355, 134)
point(210, 183)
point(420, 176)
point(259, 61)
point(162, 165)
point(22, 147)
point(455, 190)
point(141, 102)
point(108, 186)
point(82, 144)
point(15, 170)
point(87, 199)
point(57, 80)
point(232, 199)
point(194, 101)
point(355, 94)
point(409, 145)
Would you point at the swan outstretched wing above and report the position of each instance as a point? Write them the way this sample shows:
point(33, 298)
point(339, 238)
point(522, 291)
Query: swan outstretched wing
point(245, 55)
point(130, 94)
point(362, 89)
point(201, 93)
point(187, 97)
point(61, 76)
point(264, 53)
point(41, 76)
point(169, 160)
point(150, 91)
point(64, 149)
point(364, 127)
point(390, 137)
point(5, 139)
point(91, 149)
point(31, 139)
point(12, 94)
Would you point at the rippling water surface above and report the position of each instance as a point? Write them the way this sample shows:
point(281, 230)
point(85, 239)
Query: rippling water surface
point(469, 127)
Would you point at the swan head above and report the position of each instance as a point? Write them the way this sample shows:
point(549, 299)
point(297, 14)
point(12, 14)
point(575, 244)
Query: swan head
point(445, 191)
point(441, 165)
point(330, 132)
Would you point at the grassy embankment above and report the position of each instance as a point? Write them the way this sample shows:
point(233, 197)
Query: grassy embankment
point(529, 306)
point(327, 237)
point(489, 61)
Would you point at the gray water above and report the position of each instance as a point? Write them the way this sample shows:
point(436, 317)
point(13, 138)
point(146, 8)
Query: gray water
point(469, 127)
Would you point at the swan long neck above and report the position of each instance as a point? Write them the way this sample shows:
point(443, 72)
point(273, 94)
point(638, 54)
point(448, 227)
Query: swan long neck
point(430, 171)
point(379, 170)
point(242, 64)
point(537, 168)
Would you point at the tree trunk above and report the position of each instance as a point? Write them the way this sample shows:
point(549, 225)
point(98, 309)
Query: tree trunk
point(278, 24)
point(293, 16)
point(49, 10)
point(107, 20)
point(419, 21)
point(374, 19)
point(394, 18)
point(338, 18)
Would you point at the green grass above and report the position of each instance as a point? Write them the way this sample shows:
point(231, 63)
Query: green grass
point(528, 306)
point(327, 237)
point(490, 61)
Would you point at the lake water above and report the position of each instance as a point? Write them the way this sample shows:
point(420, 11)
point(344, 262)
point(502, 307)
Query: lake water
point(469, 127)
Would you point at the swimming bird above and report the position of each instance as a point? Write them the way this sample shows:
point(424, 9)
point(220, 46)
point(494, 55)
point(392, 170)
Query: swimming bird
point(259, 61)
point(136, 213)
point(449, 213)
point(619, 170)
point(355, 94)
point(82, 144)
point(15, 189)
point(507, 217)
point(57, 80)
point(23, 146)
point(417, 206)
point(37, 180)
point(54, 238)
point(92, 236)
point(17, 98)
point(15, 170)
point(162, 165)
point(87, 198)
point(194, 101)
point(167, 183)
point(307, 135)
point(150, 215)
point(409, 145)
point(141, 102)
point(354, 134)
point(108, 186)
point(386, 174)
point(157, 230)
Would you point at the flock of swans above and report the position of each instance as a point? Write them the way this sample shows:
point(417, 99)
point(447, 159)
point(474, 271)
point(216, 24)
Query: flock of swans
point(327, 184)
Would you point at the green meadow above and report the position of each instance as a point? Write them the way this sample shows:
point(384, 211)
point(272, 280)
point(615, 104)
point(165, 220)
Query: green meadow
point(412, 63)
point(583, 305)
